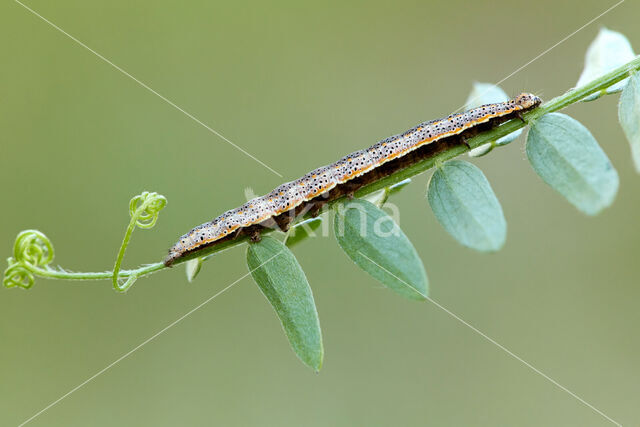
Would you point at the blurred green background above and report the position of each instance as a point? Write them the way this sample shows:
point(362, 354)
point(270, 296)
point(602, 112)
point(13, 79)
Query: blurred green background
point(298, 85)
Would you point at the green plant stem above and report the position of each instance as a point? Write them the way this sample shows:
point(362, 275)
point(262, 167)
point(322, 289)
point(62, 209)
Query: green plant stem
point(558, 103)
point(72, 275)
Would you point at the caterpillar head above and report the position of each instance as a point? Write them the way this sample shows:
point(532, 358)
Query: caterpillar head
point(527, 100)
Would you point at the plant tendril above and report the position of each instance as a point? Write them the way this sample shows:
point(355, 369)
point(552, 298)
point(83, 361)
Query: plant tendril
point(144, 210)
point(31, 250)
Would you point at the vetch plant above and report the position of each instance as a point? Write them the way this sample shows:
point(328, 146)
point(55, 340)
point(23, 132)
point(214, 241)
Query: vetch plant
point(561, 151)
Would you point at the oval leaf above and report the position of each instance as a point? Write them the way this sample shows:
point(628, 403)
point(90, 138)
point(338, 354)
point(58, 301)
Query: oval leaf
point(608, 50)
point(487, 93)
point(568, 158)
point(373, 240)
point(283, 283)
point(629, 116)
point(483, 149)
point(464, 203)
point(192, 268)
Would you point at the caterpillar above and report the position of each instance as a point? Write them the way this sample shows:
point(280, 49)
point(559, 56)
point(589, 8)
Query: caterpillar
point(309, 193)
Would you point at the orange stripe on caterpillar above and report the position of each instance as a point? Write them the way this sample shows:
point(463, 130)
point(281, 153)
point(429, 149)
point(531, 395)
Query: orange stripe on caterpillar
point(292, 194)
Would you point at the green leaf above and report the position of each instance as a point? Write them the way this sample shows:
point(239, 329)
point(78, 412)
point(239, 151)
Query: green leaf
point(487, 93)
point(376, 244)
point(464, 203)
point(568, 158)
point(629, 116)
point(302, 231)
point(483, 149)
point(282, 281)
point(192, 268)
point(608, 51)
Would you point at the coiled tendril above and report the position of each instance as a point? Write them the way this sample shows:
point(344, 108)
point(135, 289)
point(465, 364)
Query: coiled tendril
point(31, 250)
point(144, 210)
point(150, 205)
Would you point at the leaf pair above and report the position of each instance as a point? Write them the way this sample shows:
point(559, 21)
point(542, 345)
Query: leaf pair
point(561, 151)
point(370, 238)
point(609, 50)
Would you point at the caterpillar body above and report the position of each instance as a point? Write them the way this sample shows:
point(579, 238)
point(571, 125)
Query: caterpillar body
point(309, 193)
